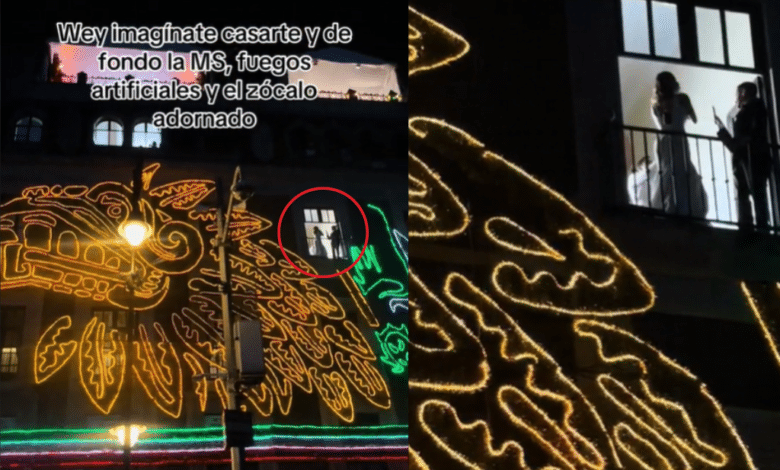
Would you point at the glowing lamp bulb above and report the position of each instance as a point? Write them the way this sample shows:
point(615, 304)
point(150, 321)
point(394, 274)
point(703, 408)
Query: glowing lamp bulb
point(135, 431)
point(135, 232)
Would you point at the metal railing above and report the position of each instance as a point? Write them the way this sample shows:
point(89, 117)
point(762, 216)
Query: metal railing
point(688, 175)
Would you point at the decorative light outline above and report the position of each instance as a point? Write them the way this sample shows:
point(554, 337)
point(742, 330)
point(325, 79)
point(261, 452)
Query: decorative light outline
point(398, 365)
point(61, 355)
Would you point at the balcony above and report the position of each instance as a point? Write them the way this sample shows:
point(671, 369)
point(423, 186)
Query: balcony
point(714, 202)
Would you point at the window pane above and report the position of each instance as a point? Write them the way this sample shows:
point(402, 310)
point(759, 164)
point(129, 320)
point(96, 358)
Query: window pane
point(636, 35)
point(307, 215)
point(21, 133)
point(709, 35)
point(666, 31)
point(739, 39)
point(314, 217)
point(35, 134)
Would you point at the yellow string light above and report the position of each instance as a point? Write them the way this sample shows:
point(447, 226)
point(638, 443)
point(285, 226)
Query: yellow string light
point(629, 440)
point(101, 382)
point(454, 372)
point(70, 244)
point(516, 346)
point(434, 210)
point(767, 313)
point(538, 247)
point(201, 385)
point(50, 353)
point(593, 278)
point(165, 376)
point(664, 424)
point(509, 455)
point(431, 44)
point(562, 442)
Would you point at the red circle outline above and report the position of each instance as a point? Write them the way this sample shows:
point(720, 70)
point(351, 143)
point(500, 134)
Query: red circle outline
point(279, 232)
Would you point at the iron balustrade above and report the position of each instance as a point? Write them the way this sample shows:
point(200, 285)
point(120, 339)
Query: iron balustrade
point(709, 157)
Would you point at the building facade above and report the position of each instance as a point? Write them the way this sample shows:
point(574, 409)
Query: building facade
point(334, 390)
point(592, 329)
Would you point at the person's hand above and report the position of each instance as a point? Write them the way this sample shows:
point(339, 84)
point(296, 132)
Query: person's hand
point(719, 123)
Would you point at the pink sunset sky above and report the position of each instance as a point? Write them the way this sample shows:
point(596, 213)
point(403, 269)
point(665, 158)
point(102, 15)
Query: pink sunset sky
point(75, 59)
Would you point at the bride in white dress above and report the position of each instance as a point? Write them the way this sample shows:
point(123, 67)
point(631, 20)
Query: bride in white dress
point(672, 180)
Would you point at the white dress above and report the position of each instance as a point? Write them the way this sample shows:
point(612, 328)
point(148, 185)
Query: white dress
point(671, 179)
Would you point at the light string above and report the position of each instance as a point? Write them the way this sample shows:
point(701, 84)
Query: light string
point(309, 343)
point(628, 422)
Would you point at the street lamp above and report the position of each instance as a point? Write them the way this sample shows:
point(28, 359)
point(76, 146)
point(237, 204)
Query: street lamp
point(119, 433)
point(239, 193)
point(135, 230)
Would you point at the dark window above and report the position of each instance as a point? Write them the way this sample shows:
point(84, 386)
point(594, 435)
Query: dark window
point(28, 129)
point(11, 324)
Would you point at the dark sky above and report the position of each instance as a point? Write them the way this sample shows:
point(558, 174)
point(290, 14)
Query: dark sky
point(378, 33)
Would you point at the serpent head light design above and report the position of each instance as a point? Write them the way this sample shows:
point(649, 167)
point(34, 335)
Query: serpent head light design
point(65, 240)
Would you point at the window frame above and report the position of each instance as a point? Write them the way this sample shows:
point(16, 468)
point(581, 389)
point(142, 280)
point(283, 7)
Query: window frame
point(332, 212)
point(145, 133)
point(30, 125)
point(688, 34)
point(109, 131)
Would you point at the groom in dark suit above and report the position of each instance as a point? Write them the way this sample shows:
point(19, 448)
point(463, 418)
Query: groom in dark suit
point(751, 159)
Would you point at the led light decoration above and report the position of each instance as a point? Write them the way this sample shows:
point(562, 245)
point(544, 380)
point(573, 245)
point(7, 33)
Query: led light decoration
point(101, 370)
point(394, 342)
point(65, 239)
point(370, 276)
point(70, 242)
point(434, 210)
point(437, 336)
point(522, 411)
point(591, 262)
point(764, 302)
point(626, 391)
point(160, 377)
point(431, 44)
point(51, 354)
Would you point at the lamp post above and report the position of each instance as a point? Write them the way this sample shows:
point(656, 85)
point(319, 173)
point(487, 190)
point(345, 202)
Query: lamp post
point(135, 230)
point(239, 193)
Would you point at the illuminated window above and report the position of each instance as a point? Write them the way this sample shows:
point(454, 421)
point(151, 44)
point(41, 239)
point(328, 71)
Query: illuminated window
point(28, 129)
point(145, 135)
point(651, 29)
point(725, 37)
point(323, 234)
point(11, 323)
point(108, 132)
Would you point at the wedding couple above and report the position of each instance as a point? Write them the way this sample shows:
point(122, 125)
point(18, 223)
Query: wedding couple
point(673, 183)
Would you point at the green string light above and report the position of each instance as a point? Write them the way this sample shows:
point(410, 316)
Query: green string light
point(201, 439)
point(201, 430)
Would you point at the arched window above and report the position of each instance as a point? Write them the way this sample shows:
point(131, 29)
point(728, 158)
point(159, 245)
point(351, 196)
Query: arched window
point(145, 135)
point(108, 132)
point(28, 129)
